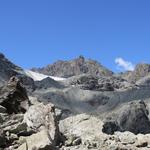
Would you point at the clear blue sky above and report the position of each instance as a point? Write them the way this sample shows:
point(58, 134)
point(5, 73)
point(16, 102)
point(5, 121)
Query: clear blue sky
point(34, 33)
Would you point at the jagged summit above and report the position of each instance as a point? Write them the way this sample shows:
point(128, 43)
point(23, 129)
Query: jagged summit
point(74, 67)
point(141, 70)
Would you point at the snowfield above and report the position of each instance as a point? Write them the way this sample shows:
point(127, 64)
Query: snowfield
point(38, 76)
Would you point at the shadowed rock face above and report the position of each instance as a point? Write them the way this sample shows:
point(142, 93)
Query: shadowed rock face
point(133, 118)
point(48, 83)
point(13, 96)
point(7, 69)
point(75, 67)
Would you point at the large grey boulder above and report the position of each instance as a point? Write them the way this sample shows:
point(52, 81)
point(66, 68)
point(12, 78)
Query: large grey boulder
point(40, 117)
point(132, 117)
point(82, 126)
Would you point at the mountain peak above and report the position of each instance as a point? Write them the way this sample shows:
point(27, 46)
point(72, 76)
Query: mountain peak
point(74, 67)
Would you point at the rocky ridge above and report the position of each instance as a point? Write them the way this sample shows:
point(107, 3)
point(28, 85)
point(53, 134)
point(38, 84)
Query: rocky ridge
point(74, 67)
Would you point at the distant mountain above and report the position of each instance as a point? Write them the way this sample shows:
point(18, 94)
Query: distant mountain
point(74, 67)
point(140, 71)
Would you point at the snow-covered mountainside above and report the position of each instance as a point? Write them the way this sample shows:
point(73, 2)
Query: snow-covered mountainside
point(38, 76)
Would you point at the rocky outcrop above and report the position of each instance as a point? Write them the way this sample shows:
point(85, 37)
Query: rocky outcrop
point(37, 128)
point(86, 82)
point(13, 96)
point(13, 103)
point(103, 83)
point(8, 69)
point(27, 82)
point(132, 117)
point(140, 71)
point(74, 67)
point(42, 120)
point(144, 82)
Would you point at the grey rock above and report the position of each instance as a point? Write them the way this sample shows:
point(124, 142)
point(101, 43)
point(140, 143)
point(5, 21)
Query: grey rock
point(133, 117)
point(102, 83)
point(43, 116)
point(38, 141)
point(110, 127)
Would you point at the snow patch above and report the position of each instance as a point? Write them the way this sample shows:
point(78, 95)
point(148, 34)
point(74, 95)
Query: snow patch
point(38, 76)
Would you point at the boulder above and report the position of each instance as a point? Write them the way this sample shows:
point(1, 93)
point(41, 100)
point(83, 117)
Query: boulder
point(43, 116)
point(38, 141)
point(132, 117)
point(82, 127)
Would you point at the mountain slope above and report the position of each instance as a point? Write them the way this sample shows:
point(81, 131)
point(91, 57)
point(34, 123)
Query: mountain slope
point(7, 69)
point(74, 67)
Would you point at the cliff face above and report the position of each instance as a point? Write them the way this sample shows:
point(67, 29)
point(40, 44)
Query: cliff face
point(7, 69)
point(74, 67)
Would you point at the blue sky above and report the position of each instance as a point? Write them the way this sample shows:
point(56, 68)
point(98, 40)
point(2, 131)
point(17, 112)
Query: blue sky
point(34, 33)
